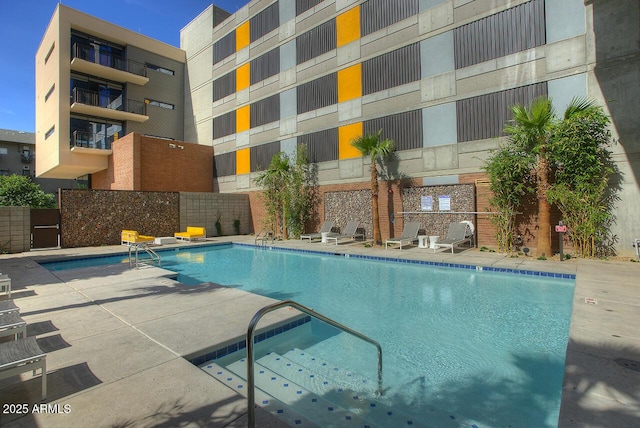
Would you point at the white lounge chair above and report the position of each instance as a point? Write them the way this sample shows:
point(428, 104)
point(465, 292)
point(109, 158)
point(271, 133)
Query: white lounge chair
point(12, 325)
point(456, 235)
point(326, 228)
point(409, 235)
point(21, 356)
point(350, 232)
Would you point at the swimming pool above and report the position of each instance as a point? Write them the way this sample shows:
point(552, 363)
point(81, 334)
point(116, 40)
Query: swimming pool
point(479, 346)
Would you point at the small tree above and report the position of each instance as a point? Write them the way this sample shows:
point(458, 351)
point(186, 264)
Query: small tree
point(18, 190)
point(508, 169)
point(377, 149)
point(584, 167)
point(288, 192)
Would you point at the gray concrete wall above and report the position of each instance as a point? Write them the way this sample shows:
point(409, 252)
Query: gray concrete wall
point(204, 209)
point(15, 229)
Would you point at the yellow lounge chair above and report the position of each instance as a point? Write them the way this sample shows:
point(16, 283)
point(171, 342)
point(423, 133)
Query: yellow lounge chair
point(192, 233)
point(129, 237)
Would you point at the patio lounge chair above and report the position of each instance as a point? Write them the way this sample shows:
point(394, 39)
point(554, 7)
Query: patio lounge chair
point(326, 228)
point(409, 235)
point(350, 231)
point(192, 233)
point(7, 306)
point(456, 235)
point(129, 237)
point(12, 325)
point(21, 356)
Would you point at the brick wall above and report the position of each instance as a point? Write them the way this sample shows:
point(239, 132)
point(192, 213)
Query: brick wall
point(145, 163)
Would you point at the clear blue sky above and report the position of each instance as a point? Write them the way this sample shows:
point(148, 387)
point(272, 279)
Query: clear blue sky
point(23, 23)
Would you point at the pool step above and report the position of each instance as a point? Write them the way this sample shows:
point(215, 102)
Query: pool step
point(313, 406)
point(263, 399)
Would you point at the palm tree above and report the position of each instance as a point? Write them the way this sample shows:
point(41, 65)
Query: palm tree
point(531, 130)
point(275, 181)
point(377, 149)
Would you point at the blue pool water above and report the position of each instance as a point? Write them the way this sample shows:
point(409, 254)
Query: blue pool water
point(485, 346)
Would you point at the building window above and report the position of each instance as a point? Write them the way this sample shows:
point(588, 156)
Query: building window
point(265, 66)
point(94, 133)
point(265, 111)
point(160, 104)
point(160, 69)
point(46, 58)
point(260, 156)
point(224, 125)
point(49, 132)
point(3, 151)
point(49, 92)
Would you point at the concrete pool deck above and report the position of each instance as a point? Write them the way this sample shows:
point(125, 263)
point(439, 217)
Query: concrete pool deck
point(115, 339)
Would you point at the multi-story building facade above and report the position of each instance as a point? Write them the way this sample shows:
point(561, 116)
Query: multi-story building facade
point(437, 76)
point(17, 156)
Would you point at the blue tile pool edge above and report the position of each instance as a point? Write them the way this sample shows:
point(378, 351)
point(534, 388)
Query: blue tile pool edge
point(242, 343)
point(477, 268)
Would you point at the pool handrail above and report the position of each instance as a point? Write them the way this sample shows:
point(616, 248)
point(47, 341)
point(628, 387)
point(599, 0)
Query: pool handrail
point(251, 416)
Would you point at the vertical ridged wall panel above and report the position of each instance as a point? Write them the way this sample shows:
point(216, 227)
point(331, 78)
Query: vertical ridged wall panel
point(513, 30)
point(316, 41)
point(265, 111)
point(265, 66)
point(226, 85)
point(224, 47)
point(485, 116)
point(304, 5)
point(224, 125)
point(318, 93)
point(261, 155)
point(264, 22)
point(405, 129)
point(322, 146)
point(378, 14)
point(224, 165)
point(391, 69)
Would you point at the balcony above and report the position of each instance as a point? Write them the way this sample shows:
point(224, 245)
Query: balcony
point(93, 103)
point(91, 143)
point(26, 157)
point(113, 67)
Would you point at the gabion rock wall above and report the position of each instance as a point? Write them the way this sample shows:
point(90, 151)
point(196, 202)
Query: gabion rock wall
point(346, 206)
point(97, 217)
point(462, 200)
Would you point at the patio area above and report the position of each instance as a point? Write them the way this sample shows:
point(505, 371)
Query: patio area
point(116, 339)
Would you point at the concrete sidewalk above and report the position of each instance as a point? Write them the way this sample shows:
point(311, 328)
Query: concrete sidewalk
point(115, 339)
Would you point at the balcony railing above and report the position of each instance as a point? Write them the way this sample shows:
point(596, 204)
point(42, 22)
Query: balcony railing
point(91, 140)
point(92, 98)
point(117, 62)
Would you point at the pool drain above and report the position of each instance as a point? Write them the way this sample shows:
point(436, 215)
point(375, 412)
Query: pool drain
point(629, 364)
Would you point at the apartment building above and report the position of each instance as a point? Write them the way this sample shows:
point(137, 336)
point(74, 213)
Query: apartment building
point(437, 76)
point(17, 156)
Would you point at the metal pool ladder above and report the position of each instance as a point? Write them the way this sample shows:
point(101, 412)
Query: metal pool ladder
point(135, 260)
point(263, 236)
point(251, 399)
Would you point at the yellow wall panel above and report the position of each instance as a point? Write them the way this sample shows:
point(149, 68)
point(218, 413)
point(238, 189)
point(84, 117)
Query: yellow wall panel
point(348, 26)
point(243, 116)
point(243, 37)
point(243, 161)
point(346, 134)
point(243, 77)
point(350, 83)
